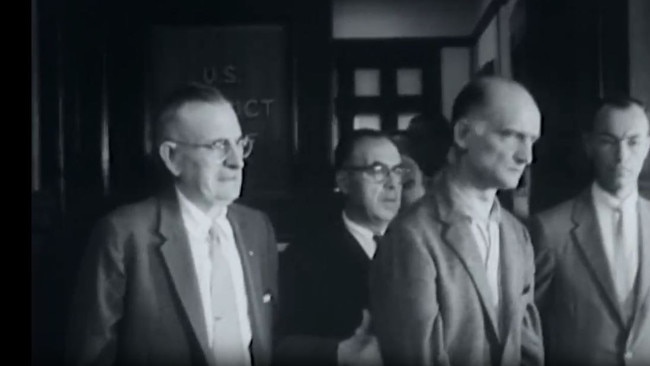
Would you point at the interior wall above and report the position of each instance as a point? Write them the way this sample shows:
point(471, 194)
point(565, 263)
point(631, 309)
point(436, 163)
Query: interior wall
point(639, 51)
point(455, 63)
point(487, 47)
point(404, 18)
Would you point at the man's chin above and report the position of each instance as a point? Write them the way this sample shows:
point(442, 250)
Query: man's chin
point(226, 198)
point(388, 214)
point(507, 182)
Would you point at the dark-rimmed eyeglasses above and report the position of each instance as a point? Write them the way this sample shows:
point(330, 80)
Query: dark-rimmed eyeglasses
point(221, 148)
point(379, 172)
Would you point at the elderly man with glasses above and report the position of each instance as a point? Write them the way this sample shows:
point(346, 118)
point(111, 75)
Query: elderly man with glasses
point(185, 277)
point(325, 275)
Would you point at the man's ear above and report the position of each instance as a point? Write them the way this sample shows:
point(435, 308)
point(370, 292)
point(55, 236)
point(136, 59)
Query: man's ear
point(343, 181)
point(167, 152)
point(461, 131)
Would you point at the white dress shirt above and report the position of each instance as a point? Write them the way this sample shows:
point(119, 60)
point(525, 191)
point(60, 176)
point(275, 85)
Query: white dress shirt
point(607, 213)
point(197, 225)
point(484, 226)
point(364, 236)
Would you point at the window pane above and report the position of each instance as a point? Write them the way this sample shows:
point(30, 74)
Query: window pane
point(409, 81)
point(404, 120)
point(371, 121)
point(366, 82)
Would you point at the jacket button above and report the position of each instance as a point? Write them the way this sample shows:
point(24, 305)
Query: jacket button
point(628, 355)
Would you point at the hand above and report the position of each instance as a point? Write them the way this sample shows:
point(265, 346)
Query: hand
point(362, 349)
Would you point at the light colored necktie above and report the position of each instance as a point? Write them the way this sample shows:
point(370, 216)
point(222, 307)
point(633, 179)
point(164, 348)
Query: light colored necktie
point(623, 280)
point(227, 341)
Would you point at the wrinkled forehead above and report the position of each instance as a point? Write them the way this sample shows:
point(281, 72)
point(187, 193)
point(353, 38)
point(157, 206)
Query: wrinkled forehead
point(208, 121)
point(513, 111)
point(375, 150)
point(621, 121)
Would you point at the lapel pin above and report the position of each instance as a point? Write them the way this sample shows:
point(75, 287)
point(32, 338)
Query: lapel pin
point(266, 298)
point(250, 252)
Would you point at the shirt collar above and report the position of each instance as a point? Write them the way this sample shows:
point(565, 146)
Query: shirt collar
point(469, 208)
point(199, 219)
point(606, 199)
point(359, 229)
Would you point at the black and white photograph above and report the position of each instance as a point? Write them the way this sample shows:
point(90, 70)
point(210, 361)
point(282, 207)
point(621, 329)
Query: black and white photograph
point(340, 182)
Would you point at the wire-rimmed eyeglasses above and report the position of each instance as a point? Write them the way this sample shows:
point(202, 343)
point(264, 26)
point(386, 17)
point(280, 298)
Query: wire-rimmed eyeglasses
point(223, 147)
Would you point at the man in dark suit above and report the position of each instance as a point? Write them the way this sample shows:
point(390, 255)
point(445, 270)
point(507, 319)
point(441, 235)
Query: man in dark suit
point(452, 280)
point(326, 274)
point(593, 251)
point(186, 276)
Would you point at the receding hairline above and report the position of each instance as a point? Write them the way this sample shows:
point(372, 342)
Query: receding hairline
point(348, 146)
point(369, 139)
point(170, 121)
point(606, 109)
point(482, 95)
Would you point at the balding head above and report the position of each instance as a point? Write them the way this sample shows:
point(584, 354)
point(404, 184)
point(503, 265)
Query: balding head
point(495, 122)
point(488, 98)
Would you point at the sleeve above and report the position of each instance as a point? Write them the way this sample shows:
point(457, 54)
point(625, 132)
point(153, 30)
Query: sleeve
point(403, 301)
point(532, 344)
point(544, 264)
point(97, 304)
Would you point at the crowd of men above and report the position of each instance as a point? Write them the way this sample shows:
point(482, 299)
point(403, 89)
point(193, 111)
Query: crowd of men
point(418, 268)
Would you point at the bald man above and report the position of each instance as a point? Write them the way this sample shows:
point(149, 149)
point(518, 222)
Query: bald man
point(452, 282)
point(593, 251)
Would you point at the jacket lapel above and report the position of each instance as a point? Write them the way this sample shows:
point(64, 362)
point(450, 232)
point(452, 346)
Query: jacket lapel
point(643, 284)
point(350, 246)
point(457, 234)
point(511, 273)
point(586, 233)
point(178, 258)
point(252, 276)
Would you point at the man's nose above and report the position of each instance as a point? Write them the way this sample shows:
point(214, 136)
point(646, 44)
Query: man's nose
point(524, 153)
point(393, 179)
point(622, 151)
point(234, 158)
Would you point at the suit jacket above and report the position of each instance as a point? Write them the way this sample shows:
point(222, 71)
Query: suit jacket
point(583, 321)
point(138, 299)
point(429, 294)
point(324, 282)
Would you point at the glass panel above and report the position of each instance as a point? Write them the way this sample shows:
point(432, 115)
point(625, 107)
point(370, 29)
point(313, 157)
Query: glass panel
point(409, 81)
point(404, 120)
point(371, 121)
point(366, 82)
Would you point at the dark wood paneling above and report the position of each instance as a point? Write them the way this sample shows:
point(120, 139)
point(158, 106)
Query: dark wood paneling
point(568, 54)
point(92, 68)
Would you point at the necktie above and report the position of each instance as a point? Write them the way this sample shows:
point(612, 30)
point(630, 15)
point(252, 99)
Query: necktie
point(227, 341)
point(622, 277)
